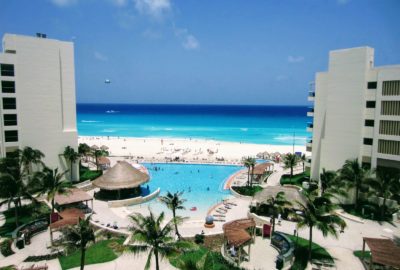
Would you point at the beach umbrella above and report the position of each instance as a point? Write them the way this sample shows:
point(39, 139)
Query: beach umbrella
point(94, 147)
point(104, 147)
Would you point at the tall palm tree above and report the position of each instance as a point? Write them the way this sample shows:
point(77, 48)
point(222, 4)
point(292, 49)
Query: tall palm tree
point(99, 153)
point(71, 156)
point(385, 185)
point(249, 163)
point(51, 182)
point(277, 204)
point(317, 213)
point(327, 179)
point(355, 176)
point(29, 156)
point(148, 235)
point(79, 236)
point(14, 182)
point(290, 161)
point(303, 160)
point(174, 202)
point(84, 150)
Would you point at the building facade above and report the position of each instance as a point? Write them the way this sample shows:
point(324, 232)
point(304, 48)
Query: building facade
point(356, 112)
point(37, 105)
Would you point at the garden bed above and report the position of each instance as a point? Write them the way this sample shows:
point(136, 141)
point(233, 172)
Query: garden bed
point(247, 190)
point(296, 179)
point(100, 252)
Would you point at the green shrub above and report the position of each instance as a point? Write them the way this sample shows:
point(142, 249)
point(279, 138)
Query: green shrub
point(90, 175)
point(199, 238)
point(361, 255)
point(297, 179)
point(5, 248)
point(42, 257)
point(247, 190)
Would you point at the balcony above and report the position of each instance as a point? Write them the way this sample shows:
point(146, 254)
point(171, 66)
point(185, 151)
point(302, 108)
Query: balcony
point(310, 112)
point(310, 127)
point(308, 162)
point(309, 143)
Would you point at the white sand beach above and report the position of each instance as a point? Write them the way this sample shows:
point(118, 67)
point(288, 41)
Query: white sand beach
point(200, 150)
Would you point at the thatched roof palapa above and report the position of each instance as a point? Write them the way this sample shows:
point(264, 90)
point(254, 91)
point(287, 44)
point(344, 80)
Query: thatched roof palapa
point(235, 231)
point(260, 169)
point(384, 251)
point(121, 176)
point(103, 161)
point(72, 196)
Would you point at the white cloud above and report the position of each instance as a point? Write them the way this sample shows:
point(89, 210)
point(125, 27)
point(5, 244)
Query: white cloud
point(63, 3)
point(150, 34)
point(100, 56)
point(295, 59)
point(190, 43)
point(154, 8)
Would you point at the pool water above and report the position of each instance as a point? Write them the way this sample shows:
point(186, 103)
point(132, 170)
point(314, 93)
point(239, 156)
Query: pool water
point(202, 184)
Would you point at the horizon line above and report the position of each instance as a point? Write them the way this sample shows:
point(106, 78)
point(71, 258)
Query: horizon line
point(193, 104)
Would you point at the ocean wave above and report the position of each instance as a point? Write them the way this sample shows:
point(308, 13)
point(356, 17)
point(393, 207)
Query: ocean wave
point(90, 121)
point(290, 138)
point(169, 129)
point(109, 130)
point(244, 129)
point(112, 111)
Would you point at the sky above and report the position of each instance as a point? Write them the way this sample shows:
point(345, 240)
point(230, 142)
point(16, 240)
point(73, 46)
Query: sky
point(250, 52)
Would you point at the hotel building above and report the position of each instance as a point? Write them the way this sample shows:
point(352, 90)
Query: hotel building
point(356, 113)
point(37, 104)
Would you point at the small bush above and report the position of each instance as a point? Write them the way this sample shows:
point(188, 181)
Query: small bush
point(5, 248)
point(90, 175)
point(43, 257)
point(247, 190)
point(199, 238)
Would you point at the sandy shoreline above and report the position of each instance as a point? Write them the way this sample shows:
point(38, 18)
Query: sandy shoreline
point(201, 150)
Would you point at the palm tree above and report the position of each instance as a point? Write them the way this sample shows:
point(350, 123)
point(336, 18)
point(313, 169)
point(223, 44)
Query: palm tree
point(99, 153)
point(290, 160)
point(249, 162)
point(174, 202)
point(149, 236)
point(51, 182)
point(303, 160)
point(203, 263)
point(355, 176)
point(277, 205)
point(29, 156)
point(84, 150)
point(14, 182)
point(385, 185)
point(327, 179)
point(317, 213)
point(71, 156)
point(79, 236)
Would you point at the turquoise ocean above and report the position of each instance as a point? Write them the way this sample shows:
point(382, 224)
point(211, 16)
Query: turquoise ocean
point(277, 125)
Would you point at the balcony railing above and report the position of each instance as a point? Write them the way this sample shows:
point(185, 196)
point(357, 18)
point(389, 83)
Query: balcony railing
point(311, 94)
point(310, 109)
point(310, 125)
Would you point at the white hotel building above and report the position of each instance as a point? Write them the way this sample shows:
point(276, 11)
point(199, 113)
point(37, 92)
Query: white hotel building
point(356, 112)
point(37, 104)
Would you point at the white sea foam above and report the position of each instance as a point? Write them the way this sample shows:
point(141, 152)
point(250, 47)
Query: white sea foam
point(112, 111)
point(290, 138)
point(109, 130)
point(90, 121)
point(244, 129)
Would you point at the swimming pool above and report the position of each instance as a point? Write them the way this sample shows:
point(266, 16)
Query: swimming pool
point(202, 184)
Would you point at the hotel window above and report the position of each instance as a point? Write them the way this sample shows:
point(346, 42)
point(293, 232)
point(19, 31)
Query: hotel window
point(390, 107)
point(10, 119)
point(8, 86)
point(11, 135)
point(391, 88)
point(388, 127)
point(372, 85)
point(389, 147)
point(368, 141)
point(370, 104)
point(9, 104)
point(7, 70)
point(369, 123)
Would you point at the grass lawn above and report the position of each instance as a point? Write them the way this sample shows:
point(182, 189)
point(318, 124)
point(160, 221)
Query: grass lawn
point(301, 253)
point(99, 252)
point(359, 254)
point(297, 179)
point(216, 261)
point(247, 190)
point(86, 174)
point(27, 213)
